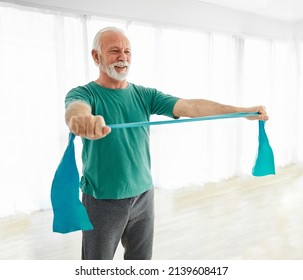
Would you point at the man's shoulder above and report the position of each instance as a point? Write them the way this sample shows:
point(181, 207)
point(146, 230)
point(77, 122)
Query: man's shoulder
point(141, 89)
point(83, 88)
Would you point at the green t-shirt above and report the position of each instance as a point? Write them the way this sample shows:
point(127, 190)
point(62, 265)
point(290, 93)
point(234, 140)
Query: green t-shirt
point(118, 166)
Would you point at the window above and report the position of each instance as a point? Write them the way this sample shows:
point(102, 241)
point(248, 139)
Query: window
point(43, 54)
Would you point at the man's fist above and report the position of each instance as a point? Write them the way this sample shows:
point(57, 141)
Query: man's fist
point(89, 126)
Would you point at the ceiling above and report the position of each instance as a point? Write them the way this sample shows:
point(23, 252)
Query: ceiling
point(291, 10)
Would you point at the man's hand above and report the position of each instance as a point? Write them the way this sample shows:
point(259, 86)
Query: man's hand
point(90, 127)
point(81, 122)
point(262, 113)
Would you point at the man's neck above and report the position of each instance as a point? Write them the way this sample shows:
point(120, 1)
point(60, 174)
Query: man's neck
point(111, 83)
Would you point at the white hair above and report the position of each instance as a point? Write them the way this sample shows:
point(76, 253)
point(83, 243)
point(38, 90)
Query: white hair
point(96, 42)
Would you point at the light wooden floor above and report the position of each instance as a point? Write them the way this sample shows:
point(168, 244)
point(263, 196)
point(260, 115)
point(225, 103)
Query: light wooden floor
point(247, 218)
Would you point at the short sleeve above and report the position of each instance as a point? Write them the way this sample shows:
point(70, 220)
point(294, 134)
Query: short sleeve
point(163, 104)
point(79, 94)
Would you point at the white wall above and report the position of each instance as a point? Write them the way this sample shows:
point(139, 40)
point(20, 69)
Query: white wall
point(187, 13)
point(299, 30)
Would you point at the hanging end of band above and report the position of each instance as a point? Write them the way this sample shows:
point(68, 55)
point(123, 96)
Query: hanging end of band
point(265, 163)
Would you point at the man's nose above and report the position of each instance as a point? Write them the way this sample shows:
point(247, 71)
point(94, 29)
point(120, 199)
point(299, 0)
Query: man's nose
point(123, 56)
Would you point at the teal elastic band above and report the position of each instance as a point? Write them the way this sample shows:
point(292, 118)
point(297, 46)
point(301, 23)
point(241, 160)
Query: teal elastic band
point(265, 163)
point(70, 214)
point(207, 118)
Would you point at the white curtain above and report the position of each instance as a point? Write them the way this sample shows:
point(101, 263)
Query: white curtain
point(43, 54)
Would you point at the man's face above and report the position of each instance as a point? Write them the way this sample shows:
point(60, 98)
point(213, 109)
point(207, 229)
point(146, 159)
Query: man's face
point(115, 55)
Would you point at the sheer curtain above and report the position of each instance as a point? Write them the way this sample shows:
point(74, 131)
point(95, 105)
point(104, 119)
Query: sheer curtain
point(43, 54)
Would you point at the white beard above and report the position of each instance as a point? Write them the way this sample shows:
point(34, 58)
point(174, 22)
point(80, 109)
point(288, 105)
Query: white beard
point(111, 71)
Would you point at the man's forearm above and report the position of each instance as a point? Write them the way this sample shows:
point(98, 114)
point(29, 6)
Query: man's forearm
point(193, 108)
point(201, 107)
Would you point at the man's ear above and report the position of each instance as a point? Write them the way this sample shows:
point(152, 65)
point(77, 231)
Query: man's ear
point(96, 57)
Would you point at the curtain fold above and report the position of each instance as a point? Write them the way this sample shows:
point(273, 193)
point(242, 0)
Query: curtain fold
point(43, 54)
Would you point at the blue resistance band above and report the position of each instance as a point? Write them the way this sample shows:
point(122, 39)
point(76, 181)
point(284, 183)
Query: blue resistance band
point(70, 214)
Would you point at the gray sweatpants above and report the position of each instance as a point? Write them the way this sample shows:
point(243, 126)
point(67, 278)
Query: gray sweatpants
point(130, 220)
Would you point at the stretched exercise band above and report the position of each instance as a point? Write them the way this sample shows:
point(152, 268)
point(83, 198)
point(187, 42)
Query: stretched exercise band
point(70, 214)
